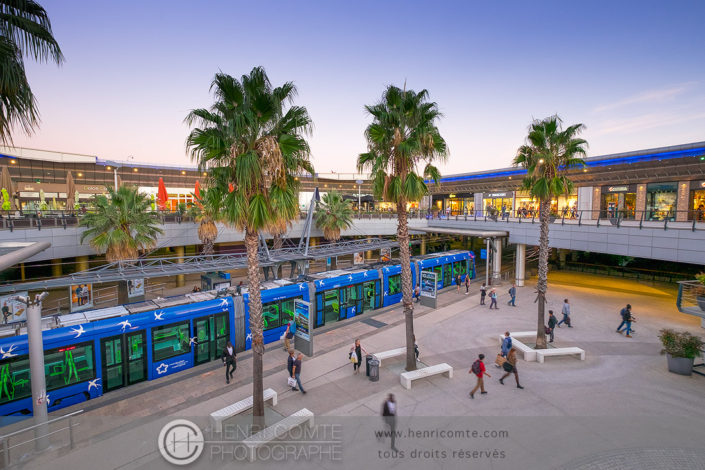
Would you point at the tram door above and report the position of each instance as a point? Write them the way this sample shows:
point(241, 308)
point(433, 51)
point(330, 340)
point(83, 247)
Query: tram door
point(211, 334)
point(124, 359)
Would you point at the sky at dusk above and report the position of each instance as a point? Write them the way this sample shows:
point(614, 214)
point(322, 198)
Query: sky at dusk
point(632, 72)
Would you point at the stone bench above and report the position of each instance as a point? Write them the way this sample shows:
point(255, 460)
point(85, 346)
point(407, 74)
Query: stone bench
point(408, 377)
point(217, 417)
point(528, 353)
point(277, 430)
point(542, 353)
point(389, 354)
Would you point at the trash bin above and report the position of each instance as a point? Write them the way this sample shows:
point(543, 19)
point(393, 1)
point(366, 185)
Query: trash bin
point(368, 358)
point(374, 370)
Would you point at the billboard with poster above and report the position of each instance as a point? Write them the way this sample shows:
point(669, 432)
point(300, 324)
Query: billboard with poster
point(428, 284)
point(135, 288)
point(385, 254)
point(81, 297)
point(13, 310)
point(359, 258)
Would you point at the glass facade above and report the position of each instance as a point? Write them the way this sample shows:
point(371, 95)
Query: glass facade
point(661, 201)
point(618, 204)
point(697, 202)
point(170, 340)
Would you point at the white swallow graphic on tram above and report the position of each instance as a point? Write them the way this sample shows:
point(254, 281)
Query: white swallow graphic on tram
point(301, 287)
point(79, 331)
point(8, 353)
point(158, 315)
point(224, 303)
point(125, 324)
point(94, 383)
point(249, 336)
point(364, 274)
point(320, 283)
point(193, 340)
point(350, 277)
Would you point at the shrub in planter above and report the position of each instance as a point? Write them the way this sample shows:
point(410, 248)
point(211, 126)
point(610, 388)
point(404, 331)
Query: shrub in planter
point(681, 348)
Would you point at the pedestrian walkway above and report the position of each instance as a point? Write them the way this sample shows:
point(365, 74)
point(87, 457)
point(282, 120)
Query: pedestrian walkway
point(121, 426)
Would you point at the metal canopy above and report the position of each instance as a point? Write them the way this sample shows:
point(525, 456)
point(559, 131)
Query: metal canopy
point(157, 267)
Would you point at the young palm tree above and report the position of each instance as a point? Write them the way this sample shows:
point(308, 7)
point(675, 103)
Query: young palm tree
point(403, 142)
point(207, 211)
point(548, 152)
point(25, 30)
point(121, 224)
point(333, 214)
point(252, 139)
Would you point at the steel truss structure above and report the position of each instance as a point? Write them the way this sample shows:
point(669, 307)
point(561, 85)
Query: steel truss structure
point(172, 266)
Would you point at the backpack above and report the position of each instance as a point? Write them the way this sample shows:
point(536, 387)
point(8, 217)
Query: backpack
point(476, 367)
point(510, 292)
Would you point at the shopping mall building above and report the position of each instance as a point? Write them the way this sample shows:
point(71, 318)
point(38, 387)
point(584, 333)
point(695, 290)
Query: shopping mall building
point(655, 184)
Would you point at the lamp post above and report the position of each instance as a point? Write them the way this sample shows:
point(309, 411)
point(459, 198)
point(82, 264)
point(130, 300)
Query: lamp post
point(359, 185)
point(36, 367)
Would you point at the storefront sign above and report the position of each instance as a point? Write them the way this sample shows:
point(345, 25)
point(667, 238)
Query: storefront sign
point(135, 288)
point(428, 284)
point(483, 253)
point(13, 310)
point(81, 297)
point(493, 195)
point(618, 189)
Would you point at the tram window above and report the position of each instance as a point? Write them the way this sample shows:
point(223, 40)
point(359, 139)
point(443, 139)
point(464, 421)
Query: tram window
point(69, 365)
point(288, 309)
point(330, 302)
point(270, 315)
point(460, 267)
point(170, 340)
point(14, 379)
point(394, 284)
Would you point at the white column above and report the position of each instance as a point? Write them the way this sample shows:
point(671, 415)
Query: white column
point(497, 261)
point(36, 368)
point(521, 265)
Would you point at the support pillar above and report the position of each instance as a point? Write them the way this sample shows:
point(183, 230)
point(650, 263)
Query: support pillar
point(81, 263)
point(36, 368)
point(487, 262)
point(562, 255)
point(423, 244)
point(56, 268)
point(23, 276)
point(520, 273)
point(497, 261)
point(180, 278)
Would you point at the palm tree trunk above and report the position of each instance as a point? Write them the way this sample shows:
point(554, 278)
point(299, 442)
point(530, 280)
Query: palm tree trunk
point(207, 247)
point(406, 288)
point(255, 306)
point(542, 284)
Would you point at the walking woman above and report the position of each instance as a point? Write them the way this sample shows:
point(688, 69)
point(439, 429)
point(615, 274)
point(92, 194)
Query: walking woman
point(483, 293)
point(229, 361)
point(510, 367)
point(458, 282)
point(357, 350)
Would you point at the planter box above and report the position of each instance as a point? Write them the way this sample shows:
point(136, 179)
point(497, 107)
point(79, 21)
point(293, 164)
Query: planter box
point(680, 365)
point(701, 302)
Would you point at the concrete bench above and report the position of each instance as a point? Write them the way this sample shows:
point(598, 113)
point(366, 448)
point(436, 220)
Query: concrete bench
point(277, 430)
point(542, 353)
point(217, 417)
point(389, 354)
point(408, 377)
point(528, 353)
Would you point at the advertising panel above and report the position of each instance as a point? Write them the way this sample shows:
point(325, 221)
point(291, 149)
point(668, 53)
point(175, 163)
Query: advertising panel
point(81, 297)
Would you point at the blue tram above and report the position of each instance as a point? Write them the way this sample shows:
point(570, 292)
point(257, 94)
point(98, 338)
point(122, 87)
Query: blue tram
point(90, 353)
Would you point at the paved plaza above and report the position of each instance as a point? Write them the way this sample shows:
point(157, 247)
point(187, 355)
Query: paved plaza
point(621, 401)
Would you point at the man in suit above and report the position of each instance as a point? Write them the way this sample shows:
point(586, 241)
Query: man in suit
point(229, 361)
point(389, 414)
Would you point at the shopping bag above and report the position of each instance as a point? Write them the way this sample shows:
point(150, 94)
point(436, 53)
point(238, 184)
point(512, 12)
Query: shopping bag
point(500, 360)
point(353, 358)
point(291, 382)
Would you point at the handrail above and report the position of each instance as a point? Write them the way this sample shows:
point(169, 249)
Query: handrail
point(54, 420)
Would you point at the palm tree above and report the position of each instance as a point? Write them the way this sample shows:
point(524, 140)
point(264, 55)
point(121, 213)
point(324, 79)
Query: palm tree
point(207, 211)
point(25, 30)
point(333, 214)
point(253, 139)
point(548, 152)
point(121, 224)
point(403, 137)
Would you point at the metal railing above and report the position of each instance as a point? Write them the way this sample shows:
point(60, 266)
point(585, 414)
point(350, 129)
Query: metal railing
point(640, 274)
point(37, 219)
point(5, 439)
point(693, 220)
point(691, 297)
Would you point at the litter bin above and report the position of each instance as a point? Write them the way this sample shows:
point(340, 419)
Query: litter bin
point(374, 370)
point(368, 358)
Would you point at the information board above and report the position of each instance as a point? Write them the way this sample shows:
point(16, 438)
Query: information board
point(301, 317)
point(428, 284)
point(13, 310)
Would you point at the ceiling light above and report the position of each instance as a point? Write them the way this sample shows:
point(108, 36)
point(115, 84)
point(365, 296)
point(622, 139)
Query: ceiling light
point(135, 170)
point(108, 168)
point(204, 173)
point(80, 174)
point(13, 161)
point(183, 172)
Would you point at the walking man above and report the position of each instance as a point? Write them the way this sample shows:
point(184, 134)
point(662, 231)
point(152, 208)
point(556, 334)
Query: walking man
point(552, 321)
point(483, 293)
point(626, 314)
point(513, 294)
point(229, 361)
point(458, 281)
point(289, 334)
point(493, 299)
point(389, 414)
point(566, 314)
point(290, 367)
point(467, 284)
point(296, 372)
point(478, 368)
